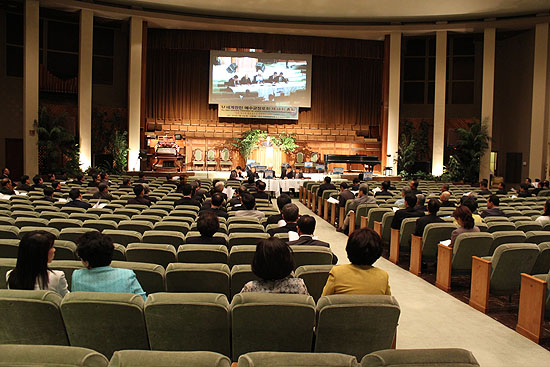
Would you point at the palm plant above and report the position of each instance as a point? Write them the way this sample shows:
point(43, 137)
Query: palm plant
point(471, 145)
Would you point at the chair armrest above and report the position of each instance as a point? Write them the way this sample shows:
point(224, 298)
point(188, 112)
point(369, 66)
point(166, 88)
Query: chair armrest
point(394, 246)
point(415, 265)
point(444, 267)
point(480, 283)
point(532, 301)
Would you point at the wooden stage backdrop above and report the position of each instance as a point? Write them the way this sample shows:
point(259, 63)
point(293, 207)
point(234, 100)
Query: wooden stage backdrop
point(346, 98)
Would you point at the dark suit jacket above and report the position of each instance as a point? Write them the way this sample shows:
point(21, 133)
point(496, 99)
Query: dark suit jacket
point(187, 201)
point(77, 204)
point(202, 240)
point(402, 214)
point(219, 212)
point(141, 201)
point(495, 212)
point(416, 192)
point(299, 175)
point(47, 198)
point(274, 219)
point(289, 175)
point(383, 193)
point(447, 204)
point(289, 227)
point(524, 195)
point(261, 195)
point(345, 196)
point(307, 240)
point(422, 222)
point(102, 195)
point(501, 192)
point(324, 187)
point(24, 187)
point(6, 191)
point(485, 192)
point(141, 181)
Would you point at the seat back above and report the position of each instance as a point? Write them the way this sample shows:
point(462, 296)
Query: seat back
point(164, 237)
point(65, 250)
point(203, 254)
point(420, 357)
point(371, 322)
point(241, 255)
point(376, 215)
point(31, 317)
point(123, 237)
point(315, 277)
point(311, 255)
point(284, 359)
point(240, 275)
point(61, 223)
point(99, 224)
point(151, 253)
point(149, 276)
point(188, 322)
point(245, 228)
point(202, 278)
point(528, 225)
point(542, 264)
point(246, 238)
point(509, 261)
point(433, 234)
point(9, 248)
point(135, 225)
point(50, 355)
point(502, 237)
point(118, 321)
point(498, 226)
point(537, 236)
point(467, 245)
point(73, 234)
point(268, 322)
point(146, 358)
point(386, 227)
point(407, 229)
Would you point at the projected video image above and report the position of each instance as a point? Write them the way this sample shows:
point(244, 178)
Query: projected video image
point(259, 79)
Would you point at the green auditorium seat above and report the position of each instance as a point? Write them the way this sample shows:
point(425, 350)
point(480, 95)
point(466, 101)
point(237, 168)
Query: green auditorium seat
point(271, 322)
point(105, 322)
point(245, 228)
point(182, 227)
point(205, 254)
point(143, 358)
point(285, 359)
point(542, 265)
point(315, 277)
point(243, 220)
point(241, 255)
point(99, 224)
point(425, 248)
point(83, 216)
point(188, 322)
point(376, 215)
point(152, 253)
point(164, 237)
point(65, 250)
point(150, 218)
point(9, 248)
point(31, 317)
point(119, 254)
point(537, 236)
point(69, 210)
point(51, 215)
point(123, 237)
point(62, 223)
point(116, 217)
point(50, 355)
point(73, 234)
point(135, 225)
point(202, 278)
point(448, 357)
point(311, 255)
point(7, 221)
point(236, 239)
point(240, 275)
point(30, 222)
point(499, 226)
point(156, 212)
point(9, 232)
point(23, 231)
point(502, 237)
point(150, 276)
point(386, 227)
point(126, 211)
point(528, 225)
point(99, 211)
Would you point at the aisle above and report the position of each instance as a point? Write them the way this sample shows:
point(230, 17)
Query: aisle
point(431, 318)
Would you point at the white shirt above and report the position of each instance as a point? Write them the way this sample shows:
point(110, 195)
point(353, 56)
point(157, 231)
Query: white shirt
point(56, 282)
point(543, 219)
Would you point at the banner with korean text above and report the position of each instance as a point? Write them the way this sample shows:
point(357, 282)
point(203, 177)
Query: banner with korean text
point(262, 112)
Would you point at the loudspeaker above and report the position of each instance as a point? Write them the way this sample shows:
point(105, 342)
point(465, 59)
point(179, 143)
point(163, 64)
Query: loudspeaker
point(231, 69)
point(260, 66)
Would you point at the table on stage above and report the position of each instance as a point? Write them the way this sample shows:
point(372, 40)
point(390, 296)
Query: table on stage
point(278, 185)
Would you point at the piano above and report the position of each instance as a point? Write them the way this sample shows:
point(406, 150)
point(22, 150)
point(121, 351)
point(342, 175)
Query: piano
point(368, 161)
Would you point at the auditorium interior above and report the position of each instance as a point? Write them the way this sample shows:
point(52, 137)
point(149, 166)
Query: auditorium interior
point(366, 93)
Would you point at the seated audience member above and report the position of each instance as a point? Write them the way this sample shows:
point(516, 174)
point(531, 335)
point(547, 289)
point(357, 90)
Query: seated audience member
point(290, 214)
point(445, 187)
point(56, 186)
point(126, 184)
point(216, 206)
point(141, 178)
point(48, 195)
point(76, 200)
point(528, 182)
point(207, 224)
point(362, 198)
point(471, 203)
point(545, 217)
point(345, 195)
point(250, 185)
point(306, 226)
point(146, 191)
point(414, 187)
point(444, 198)
point(502, 189)
point(219, 187)
point(422, 222)
point(239, 171)
point(404, 192)
point(483, 188)
point(31, 272)
point(288, 174)
point(235, 202)
point(139, 199)
point(5, 173)
point(385, 190)
point(25, 184)
point(200, 193)
point(282, 200)
point(79, 179)
point(187, 199)
point(103, 192)
point(492, 208)
point(6, 187)
point(325, 186)
point(299, 174)
point(524, 191)
point(273, 263)
point(408, 212)
point(50, 177)
point(465, 222)
point(364, 247)
point(38, 182)
point(420, 202)
point(260, 191)
point(249, 207)
point(96, 179)
point(252, 173)
point(356, 184)
point(96, 253)
point(104, 177)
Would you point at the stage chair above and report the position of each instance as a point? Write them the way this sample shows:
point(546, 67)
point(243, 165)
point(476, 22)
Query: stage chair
point(211, 158)
point(401, 238)
point(500, 274)
point(425, 247)
point(198, 158)
point(225, 159)
point(534, 305)
point(458, 259)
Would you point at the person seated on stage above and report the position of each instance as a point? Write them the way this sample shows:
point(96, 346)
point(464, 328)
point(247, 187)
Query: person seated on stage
point(139, 199)
point(56, 186)
point(281, 78)
point(404, 192)
point(249, 207)
point(282, 200)
point(524, 191)
point(299, 174)
point(269, 173)
point(207, 224)
point(471, 203)
point(422, 222)
point(420, 202)
point(233, 175)
point(364, 247)
point(233, 82)
point(6, 187)
point(445, 187)
point(95, 250)
point(362, 198)
point(38, 182)
point(483, 188)
point(290, 214)
point(273, 78)
point(260, 191)
point(414, 187)
point(345, 195)
point(146, 192)
point(141, 178)
point(76, 200)
point(25, 184)
point(48, 195)
point(408, 212)
point(103, 192)
point(288, 174)
point(95, 180)
point(325, 186)
point(216, 206)
point(306, 226)
point(126, 184)
point(245, 80)
point(273, 264)
point(492, 208)
point(187, 199)
point(465, 221)
point(252, 173)
point(258, 79)
point(385, 186)
point(444, 199)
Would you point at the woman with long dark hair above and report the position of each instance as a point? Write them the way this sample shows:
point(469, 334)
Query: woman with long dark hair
point(31, 272)
point(463, 216)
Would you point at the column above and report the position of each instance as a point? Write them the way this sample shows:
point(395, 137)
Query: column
point(487, 97)
point(134, 92)
point(438, 144)
point(538, 108)
point(30, 82)
point(393, 102)
point(85, 87)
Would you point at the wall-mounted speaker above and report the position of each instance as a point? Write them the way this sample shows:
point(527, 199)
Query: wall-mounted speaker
point(231, 69)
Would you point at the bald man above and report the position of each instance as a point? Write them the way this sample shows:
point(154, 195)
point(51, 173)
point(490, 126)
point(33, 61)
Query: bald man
point(444, 198)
